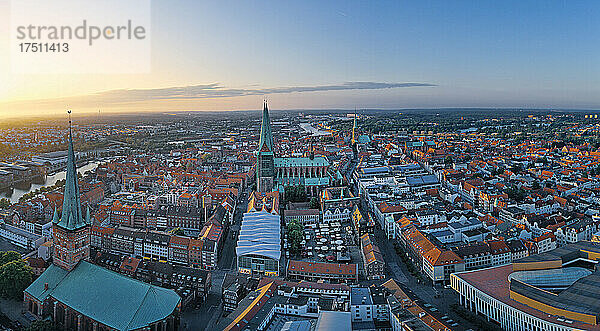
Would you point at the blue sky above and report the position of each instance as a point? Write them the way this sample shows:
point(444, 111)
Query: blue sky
point(476, 53)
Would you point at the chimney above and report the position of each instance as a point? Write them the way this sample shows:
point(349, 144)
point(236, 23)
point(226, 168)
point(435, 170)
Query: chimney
point(45, 286)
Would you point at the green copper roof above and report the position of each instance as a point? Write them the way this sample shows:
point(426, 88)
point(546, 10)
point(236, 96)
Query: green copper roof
point(293, 181)
point(266, 137)
point(110, 298)
point(71, 218)
point(55, 217)
point(364, 139)
point(317, 161)
point(316, 181)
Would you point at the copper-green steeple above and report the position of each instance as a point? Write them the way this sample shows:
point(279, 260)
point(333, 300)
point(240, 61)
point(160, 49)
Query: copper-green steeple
point(265, 163)
point(266, 137)
point(354, 129)
point(72, 217)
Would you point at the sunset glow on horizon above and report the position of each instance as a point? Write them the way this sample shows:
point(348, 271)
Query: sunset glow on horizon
point(314, 55)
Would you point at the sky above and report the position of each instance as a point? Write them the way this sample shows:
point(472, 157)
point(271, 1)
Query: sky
point(229, 55)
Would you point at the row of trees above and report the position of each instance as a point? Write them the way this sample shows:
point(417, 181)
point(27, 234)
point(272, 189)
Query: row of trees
point(15, 275)
point(177, 232)
point(44, 189)
point(7, 151)
point(296, 193)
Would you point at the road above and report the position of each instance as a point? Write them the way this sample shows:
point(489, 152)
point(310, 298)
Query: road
point(6, 246)
point(439, 297)
point(227, 253)
point(208, 315)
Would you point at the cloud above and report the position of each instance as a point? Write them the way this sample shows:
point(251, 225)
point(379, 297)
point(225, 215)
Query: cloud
point(183, 97)
point(216, 91)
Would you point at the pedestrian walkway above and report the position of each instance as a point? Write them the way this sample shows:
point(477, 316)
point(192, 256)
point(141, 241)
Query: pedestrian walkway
point(398, 273)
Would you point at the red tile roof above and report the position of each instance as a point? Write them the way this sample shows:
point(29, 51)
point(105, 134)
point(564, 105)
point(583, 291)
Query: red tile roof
point(322, 268)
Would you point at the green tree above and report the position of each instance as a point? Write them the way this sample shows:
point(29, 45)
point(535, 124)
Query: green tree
point(295, 236)
point(4, 203)
point(294, 225)
point(314, 203)
point(516, 193)
point(295, 193)
point(448, 160)
point(15, 276)
point(516, 168)
point(178, 232)
point(9, 256)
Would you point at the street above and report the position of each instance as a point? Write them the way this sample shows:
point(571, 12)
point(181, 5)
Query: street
point(6, 246)
point(438, 297)
point(208, 315)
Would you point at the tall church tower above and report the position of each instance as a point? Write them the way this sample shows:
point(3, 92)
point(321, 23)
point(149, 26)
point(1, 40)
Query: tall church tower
point(353, 141)
point(71, 231)
point(265, 164)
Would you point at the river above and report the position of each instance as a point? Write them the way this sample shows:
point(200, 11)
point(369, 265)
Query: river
point(13, 194)
point(314, 131)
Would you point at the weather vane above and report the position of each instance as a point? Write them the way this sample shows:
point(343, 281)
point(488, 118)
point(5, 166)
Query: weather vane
point(69, 112)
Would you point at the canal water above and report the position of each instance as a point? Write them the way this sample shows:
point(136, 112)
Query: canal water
point(16, 192)
point(307, 127)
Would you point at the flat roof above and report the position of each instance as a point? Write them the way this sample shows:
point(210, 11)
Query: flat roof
point(494, 282)
point(334, 320)
point(358, 294)
point(422, 180)
point(19, 231)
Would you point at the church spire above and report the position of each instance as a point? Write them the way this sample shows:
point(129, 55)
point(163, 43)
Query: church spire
point(72, 217)
point(88, 216)
point(265, 162)
point(354, 128)
point(55, 217)
point(353, 142)
point(266, 137)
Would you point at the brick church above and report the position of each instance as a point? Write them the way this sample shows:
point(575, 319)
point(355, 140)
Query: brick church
point(274, 173)
point(82, 296)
